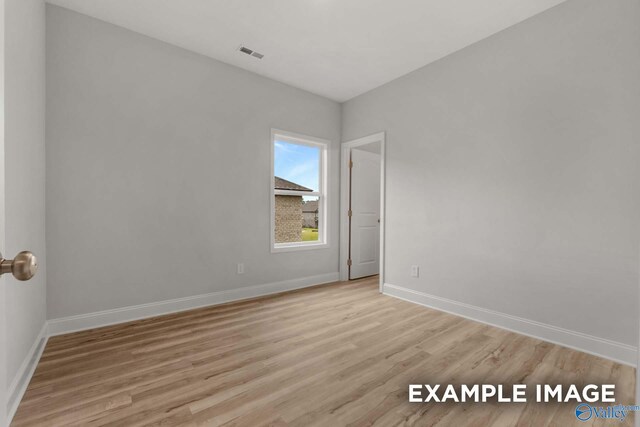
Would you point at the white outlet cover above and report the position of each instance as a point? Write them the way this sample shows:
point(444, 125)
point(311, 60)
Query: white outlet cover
point(415, 271)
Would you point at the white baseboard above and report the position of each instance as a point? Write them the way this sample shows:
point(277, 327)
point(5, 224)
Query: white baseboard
point(81, 322)
point(22, 378)
point(612, 350)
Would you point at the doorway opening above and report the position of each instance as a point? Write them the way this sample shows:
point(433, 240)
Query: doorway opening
point(362, 214)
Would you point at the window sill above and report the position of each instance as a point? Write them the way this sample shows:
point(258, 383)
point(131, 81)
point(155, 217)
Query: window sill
point(293, 247)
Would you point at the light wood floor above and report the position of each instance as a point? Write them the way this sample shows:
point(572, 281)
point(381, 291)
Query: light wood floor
point(333, 355)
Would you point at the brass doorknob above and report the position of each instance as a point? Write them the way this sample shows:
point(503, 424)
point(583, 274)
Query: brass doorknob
point(23, 266)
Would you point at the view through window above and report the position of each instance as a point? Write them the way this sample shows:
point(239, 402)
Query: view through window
point(298, 199)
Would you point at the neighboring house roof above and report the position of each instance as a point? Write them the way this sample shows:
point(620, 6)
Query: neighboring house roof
point(310, 206)
point(283, 184)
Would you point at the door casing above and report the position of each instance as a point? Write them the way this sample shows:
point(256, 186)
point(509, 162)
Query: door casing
point(3, 340)
point(344, 201)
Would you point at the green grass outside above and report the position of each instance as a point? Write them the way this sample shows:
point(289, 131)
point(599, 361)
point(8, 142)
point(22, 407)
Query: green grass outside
point(309, 234)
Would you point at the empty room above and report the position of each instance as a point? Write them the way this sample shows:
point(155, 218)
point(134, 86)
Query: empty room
point(320, 213)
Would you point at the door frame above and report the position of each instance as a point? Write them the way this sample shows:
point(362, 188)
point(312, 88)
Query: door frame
point(3, 282)
point(344, 201)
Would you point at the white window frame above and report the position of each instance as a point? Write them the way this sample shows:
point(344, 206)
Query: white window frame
point(323, 144)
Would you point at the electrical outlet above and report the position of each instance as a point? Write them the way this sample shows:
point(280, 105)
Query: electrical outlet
point(240, 268)
point(415, 271)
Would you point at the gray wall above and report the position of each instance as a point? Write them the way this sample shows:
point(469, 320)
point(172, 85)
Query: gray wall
point(158, 165)
point(24, 154)
point(513, 170)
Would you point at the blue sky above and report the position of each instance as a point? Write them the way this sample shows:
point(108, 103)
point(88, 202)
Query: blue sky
point(297, 163)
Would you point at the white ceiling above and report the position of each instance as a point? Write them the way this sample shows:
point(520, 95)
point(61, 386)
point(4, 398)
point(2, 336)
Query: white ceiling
point(335, 48)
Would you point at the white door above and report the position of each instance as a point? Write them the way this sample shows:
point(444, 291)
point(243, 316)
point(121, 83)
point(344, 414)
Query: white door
point(3, 341)
point(365, 214)
point(3, 352)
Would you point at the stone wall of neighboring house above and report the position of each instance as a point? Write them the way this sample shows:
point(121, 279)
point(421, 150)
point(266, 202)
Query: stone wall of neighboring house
point(288, 219)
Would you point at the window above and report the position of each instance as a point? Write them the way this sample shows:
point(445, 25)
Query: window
point(298, 198)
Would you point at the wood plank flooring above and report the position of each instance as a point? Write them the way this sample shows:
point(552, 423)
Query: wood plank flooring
point(333, 355)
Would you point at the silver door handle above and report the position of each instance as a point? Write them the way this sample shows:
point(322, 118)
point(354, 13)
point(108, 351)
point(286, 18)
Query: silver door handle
point(23, 266)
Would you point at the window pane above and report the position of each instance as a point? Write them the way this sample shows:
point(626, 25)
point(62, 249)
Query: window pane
point(296, 218)
point(310, 218)
point(297, 164)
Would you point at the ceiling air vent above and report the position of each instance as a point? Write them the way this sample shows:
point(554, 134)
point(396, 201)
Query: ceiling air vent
point(250, 52)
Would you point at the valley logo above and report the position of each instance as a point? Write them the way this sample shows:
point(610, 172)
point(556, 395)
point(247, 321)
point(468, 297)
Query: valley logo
point(585, 412)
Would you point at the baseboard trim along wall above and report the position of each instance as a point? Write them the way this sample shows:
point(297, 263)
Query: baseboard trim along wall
point(120, 315)
point(98, 319)
point(21, 380)
point(612, 350)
